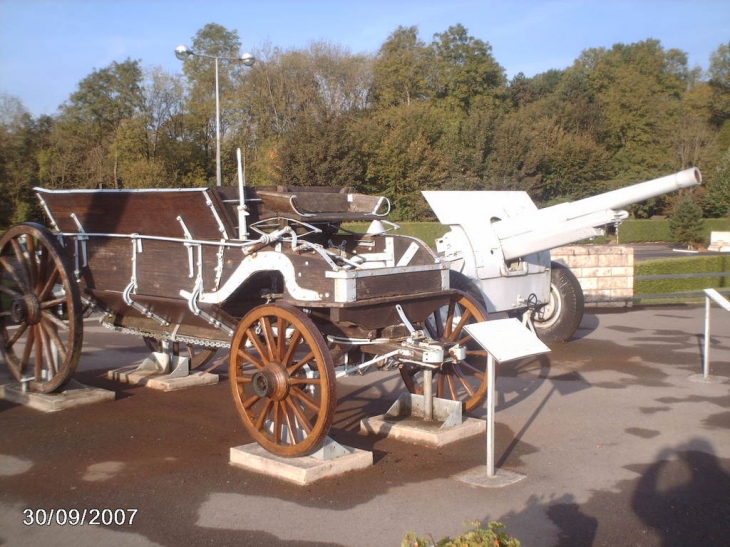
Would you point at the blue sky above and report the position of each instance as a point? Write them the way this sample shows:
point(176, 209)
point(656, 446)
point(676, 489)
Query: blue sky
point(48, 46)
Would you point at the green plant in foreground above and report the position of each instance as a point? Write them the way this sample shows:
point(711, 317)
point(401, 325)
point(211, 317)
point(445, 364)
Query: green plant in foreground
point(494, 535)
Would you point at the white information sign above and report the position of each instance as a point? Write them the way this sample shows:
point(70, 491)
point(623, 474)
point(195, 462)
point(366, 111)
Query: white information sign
point(507, 339)
point(504, 340)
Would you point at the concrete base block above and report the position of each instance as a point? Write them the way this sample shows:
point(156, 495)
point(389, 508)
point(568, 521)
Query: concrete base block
point(479, 476)
point(304, 470)
point(419, 431)
point(702, 379)
point(164, 382)
point(72, 395)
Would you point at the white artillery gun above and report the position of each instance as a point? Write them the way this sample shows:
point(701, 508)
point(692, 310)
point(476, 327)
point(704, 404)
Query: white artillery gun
point(499, 247)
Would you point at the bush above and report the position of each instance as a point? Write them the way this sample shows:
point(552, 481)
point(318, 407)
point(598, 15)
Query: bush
point(685, 225)
point(493, 536)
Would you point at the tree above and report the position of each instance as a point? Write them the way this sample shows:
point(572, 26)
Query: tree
point(719, 73)
point(401, 70)
point(105, 98)
point(717, 196)
point(685, 225)
point(638, 88)
point(464, 67)
point(200, 123)
point(22, 139)
point(319, 153)
point(88, 125)
point(400, 149)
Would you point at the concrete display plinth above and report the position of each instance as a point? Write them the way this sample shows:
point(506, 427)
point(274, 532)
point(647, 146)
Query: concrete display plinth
point(479, 476)
point(406, 421)
point(303, 470)
point(702, 379)
point(164, 382)
point(419, 431)
point(72, 395)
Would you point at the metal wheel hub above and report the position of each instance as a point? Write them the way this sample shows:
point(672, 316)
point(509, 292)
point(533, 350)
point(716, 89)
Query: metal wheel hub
point(27, 308)
point(272, 382)
point(548, 311)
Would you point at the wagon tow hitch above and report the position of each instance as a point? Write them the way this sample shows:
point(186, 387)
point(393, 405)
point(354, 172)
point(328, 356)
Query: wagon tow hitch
point(429, 354)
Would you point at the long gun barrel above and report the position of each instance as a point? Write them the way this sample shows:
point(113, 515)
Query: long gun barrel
point(512, 220)
point(570, 222)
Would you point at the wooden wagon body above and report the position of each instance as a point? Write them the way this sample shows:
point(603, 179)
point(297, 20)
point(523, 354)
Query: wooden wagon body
point(272, 276)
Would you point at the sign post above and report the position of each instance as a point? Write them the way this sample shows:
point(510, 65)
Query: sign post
point(504, 340)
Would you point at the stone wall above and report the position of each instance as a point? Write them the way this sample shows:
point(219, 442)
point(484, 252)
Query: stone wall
point(605, 272)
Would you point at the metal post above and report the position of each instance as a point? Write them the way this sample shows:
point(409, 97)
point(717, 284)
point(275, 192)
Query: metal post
point(427, 394)
point(217, 129)
point(490, 415)
point(706, 356)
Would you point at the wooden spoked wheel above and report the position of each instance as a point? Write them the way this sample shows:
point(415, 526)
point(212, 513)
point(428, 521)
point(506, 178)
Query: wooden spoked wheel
point(198, 355)
point(283, 380)
point(41, 319)
point(465, 380)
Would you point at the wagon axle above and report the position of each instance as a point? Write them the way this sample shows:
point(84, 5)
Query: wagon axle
point(26, 309)
point(271, 382)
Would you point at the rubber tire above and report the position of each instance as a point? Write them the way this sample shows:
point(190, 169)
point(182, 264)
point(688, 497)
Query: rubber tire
point(567, 304)
point(460, 282)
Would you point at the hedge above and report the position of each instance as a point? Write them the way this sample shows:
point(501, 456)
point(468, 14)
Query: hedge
point(646, 231)
point(679, 266)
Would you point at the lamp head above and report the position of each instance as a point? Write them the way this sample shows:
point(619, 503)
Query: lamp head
point(248, 59)
point(183, 52)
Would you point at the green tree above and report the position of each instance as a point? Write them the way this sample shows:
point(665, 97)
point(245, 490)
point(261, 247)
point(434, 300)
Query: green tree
point(464, 67)
point(88, 124)
point(719, 73)
point(22, 140)
point(401, 70)
point(319, 153)
point(717, 197)
point(401, 153)
point(638, 88)
point(685, 225)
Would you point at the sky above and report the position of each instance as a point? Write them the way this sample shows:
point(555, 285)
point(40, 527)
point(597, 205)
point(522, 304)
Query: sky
point(48, 46)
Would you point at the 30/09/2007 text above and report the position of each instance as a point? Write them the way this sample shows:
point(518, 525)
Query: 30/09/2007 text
point(79, 517)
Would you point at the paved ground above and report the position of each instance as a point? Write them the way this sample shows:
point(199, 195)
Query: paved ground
point(619, 448)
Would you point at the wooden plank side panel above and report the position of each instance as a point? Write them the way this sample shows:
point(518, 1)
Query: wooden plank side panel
point(398, 284)
point(137, 212)
point(109, 263)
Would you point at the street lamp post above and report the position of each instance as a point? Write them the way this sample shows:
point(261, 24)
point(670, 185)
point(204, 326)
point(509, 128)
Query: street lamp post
point(182, 53)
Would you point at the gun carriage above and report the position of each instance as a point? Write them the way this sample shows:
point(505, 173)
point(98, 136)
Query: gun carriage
point(265, 272)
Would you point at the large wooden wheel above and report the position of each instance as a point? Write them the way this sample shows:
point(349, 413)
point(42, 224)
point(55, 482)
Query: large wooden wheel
point(465, 380)
point(198, 355)
point(41, 319)
point(283, 380)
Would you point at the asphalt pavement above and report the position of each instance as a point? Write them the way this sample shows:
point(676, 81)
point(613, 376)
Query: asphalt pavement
point(617, 445)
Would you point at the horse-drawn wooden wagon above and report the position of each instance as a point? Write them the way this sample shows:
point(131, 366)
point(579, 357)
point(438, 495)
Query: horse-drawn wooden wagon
point(270, 275)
